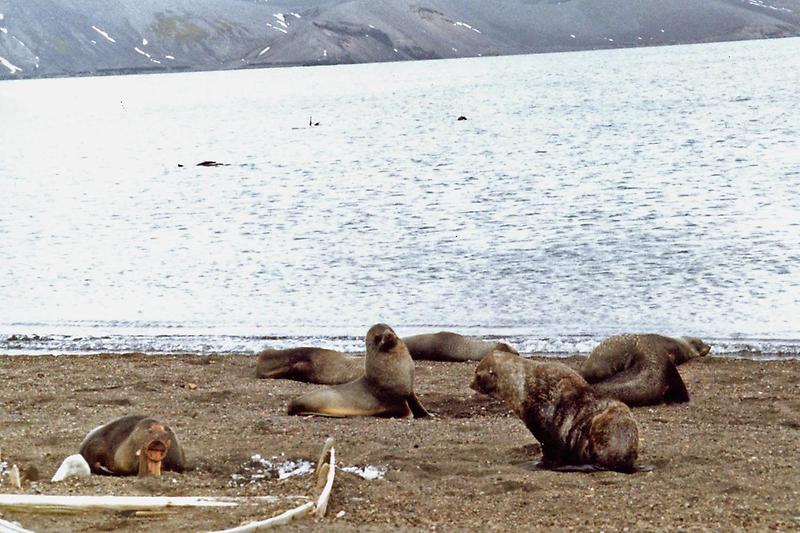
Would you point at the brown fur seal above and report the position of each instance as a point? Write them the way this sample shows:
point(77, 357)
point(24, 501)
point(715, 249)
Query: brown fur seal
point(386, 389)
point(642, 369)
point(133, 445)
point(577, 429)
point(312, 365)
point(448, 346)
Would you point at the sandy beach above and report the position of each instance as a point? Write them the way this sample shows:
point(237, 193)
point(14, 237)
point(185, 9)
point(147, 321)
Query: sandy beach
point(728, 460)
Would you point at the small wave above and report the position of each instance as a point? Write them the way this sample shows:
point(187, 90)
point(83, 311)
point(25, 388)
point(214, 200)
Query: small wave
point(206, 344)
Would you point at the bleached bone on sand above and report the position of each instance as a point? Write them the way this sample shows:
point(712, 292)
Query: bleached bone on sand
point(326, 469)
point(13, 477)
point(12, 527)
point(73, 466)
point(284, 518)
point(63, 504)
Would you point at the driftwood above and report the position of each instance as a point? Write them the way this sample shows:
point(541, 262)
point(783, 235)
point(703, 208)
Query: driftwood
point(65, 504)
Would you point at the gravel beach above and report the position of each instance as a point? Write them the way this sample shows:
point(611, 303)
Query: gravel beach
point(728, 460)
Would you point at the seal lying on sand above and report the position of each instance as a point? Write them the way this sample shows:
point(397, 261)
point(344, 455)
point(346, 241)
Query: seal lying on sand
point(133, 445)
point(448, 346)
point(642, 369)
point(312, 365)
point(577, 429)
point(386, 389)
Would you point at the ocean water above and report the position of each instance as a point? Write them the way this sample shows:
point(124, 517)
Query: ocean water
point(591, 193)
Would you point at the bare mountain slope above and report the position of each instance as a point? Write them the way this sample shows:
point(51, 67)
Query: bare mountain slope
point(41, 38)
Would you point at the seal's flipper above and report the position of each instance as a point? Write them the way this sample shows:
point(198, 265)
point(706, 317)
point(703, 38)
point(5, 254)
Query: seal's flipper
point(586, 469)
point(274, 373)
point(351, 399)
point(100, 469)
point(634, 386)
point(676, 389)
point(416, 407)
point(555, 467)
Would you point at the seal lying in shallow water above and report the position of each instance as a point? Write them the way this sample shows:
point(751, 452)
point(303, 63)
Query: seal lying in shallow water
point(133, 445)
point(386, 389)
point(448, 346)
point(312, 365)
point(642, 369)
point(577, 429)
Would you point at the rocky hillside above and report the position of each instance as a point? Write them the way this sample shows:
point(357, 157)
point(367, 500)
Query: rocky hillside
point(41, 38)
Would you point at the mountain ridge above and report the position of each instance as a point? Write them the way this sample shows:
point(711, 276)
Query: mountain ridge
point(52, 38)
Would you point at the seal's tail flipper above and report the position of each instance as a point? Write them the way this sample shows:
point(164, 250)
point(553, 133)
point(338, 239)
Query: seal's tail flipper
point(416, 407)
point(676, 389)
point(586, 469)
point(553, 467)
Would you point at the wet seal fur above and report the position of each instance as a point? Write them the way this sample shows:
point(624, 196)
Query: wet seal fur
point(448, 346)
point(131, 445)
point(308, 364)
point(386, 389)
point(641, 369)
point(577, 429)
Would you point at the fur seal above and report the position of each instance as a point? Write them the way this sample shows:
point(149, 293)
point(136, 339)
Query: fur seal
point(577, 429)
point(133, 444)
point(642, 369)
point(448, 346)
point(312, 365)
point(386, 388)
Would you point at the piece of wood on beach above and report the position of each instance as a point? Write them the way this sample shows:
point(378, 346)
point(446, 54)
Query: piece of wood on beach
point(44, 503)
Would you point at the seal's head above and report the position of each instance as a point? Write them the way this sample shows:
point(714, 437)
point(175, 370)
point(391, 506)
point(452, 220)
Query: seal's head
point(505, 347)
point(155, 445)
point(381, 338)
point(487, 379)
point(699, 346)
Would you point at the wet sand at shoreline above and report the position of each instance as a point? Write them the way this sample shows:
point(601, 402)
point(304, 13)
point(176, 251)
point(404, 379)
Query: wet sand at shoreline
point(728, 460)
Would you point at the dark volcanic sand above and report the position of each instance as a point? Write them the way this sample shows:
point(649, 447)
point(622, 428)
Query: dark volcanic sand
point(730, 459)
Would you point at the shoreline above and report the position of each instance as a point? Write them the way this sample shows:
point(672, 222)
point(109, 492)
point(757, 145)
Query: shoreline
point(728, 459)
point(553, 356)
point(351, 341)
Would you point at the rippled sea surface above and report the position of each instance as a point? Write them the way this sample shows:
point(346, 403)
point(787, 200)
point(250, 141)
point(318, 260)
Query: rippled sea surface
point(587, 194)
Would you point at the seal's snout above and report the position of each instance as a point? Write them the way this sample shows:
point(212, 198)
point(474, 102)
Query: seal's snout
point(505, 347)
point(484, 382)
point(152, 455)
point(157, 450)
point(387, 341)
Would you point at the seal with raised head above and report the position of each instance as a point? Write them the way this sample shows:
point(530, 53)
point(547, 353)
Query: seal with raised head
point(386, 388)
point(577, 429)
point(449, 346)
point(131, 445)
point(641, 369)
point(312, 365)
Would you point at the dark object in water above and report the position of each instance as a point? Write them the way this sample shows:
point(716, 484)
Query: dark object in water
point(312, 123)
point(210, 164)
point(462, 117)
